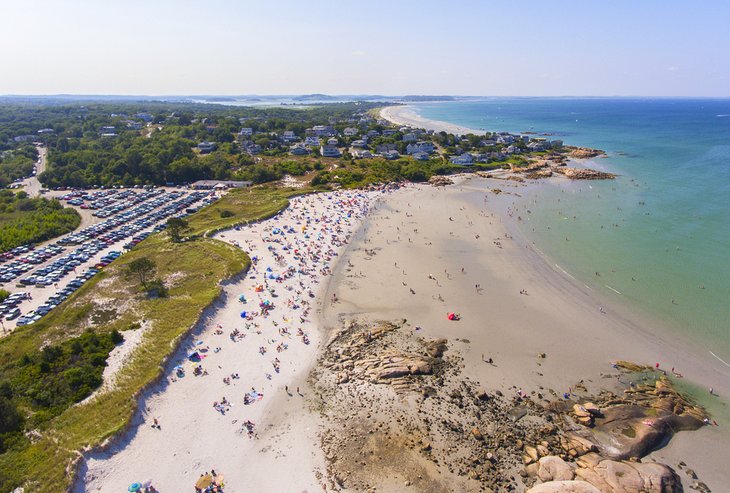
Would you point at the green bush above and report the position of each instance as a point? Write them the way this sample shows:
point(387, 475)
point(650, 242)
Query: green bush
point(226, 213)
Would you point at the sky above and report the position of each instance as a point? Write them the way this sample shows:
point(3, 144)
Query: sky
point(390, 47)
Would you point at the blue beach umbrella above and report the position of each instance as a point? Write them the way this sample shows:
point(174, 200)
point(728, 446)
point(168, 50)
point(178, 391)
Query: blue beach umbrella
point(134, 487)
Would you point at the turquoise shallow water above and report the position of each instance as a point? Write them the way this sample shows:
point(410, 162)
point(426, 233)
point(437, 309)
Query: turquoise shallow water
point(660, 234)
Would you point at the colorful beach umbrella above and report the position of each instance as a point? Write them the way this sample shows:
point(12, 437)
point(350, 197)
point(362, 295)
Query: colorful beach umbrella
point(134, 487)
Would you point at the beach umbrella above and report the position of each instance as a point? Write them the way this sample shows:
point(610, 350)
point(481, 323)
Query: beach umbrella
point(204, 481)
point(134, 487)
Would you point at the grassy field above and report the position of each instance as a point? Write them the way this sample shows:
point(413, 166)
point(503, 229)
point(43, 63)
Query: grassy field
point(241, 206)
point(191, 270)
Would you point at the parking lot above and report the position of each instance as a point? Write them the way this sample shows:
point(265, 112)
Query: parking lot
point(41, 278)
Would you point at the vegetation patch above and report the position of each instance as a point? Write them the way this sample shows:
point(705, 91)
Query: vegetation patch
point(24, 220)
point(47, 368)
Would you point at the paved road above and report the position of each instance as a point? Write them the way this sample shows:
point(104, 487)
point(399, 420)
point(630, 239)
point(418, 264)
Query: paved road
point(32, 185)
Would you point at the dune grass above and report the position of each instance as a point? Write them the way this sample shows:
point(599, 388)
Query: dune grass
point(191, 270)
point(240, 206)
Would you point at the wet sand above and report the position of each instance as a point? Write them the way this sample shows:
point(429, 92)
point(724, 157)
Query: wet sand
point(407, 261)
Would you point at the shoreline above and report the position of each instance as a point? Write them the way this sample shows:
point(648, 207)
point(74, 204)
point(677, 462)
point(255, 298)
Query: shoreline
point(405, 116)
point(557, 318)
point(497, 322)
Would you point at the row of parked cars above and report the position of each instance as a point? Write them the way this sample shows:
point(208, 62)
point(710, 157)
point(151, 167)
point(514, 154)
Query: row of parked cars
point(9, 307)
point(56, 299)
point(18, 261)
point(131, 225)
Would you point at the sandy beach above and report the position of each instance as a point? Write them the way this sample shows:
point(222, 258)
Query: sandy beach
point(415, 254)
point(406, 116)
point(457, 249)
point(245, 413)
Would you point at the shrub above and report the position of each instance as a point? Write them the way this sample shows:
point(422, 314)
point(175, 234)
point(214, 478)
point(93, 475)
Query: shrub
point(226, 213)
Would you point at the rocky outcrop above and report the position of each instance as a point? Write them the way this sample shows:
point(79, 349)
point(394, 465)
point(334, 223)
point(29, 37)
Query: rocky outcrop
point(440, 181)
point(552, 468)
point(606, 476)
point(564, 487)
point(583, 173)
point(585, 153)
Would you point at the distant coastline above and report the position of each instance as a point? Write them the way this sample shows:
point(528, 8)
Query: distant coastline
point(405, 115)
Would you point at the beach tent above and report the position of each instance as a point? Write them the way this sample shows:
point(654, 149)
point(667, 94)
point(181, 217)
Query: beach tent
point(204, 481)
point(194, 356)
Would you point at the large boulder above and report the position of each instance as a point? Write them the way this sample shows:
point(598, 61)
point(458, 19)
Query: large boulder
point(564, 487)
point(628, 477)
point(552, 468)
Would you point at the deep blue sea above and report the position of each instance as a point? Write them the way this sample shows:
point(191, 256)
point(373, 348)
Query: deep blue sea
point(658, 237)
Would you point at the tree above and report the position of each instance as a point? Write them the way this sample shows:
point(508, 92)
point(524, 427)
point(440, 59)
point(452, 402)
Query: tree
point(176, 227)
point(143, 268)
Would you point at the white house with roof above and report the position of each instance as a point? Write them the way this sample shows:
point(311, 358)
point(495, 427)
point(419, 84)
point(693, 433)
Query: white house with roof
point(328, 150)
point(322, 130)
point(312, 141)
point(350, 132)
point(289, 136)
point(298, 149)
point(423, 146)
point(205, 147)
point(410, 137)
point(361, 154)
point(465, 159)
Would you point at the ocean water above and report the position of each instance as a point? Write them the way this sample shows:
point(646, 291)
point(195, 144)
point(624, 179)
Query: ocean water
point(657, 237)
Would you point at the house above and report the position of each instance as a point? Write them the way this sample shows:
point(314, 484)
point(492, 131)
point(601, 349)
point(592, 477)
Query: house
point(289, 136)
point(465, 159)
point(556, 144)
point(373, 133)
point(389, 131)
point(383, 148)
point(298, 149)
point(107, 130)
point(312, 141)
point(361, 154)
point(390, 155)
point(362, 144)
point(538, 145)
point(332, 141)
point(145, 117)
point(46, 131)
point(24, 138)
point(505, 139)
point(422, 146)
point(134, 125)
point(488, 142)
point(350, 132)
point(322, 131)
point(328, 150)
point(205, 147)
point(246, 132)
point(420, 156)
point(410, 137)
point(251, 148)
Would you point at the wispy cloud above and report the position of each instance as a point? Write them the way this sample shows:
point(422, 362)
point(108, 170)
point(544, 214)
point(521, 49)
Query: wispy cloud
point(358, 53)
point(672, 68)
